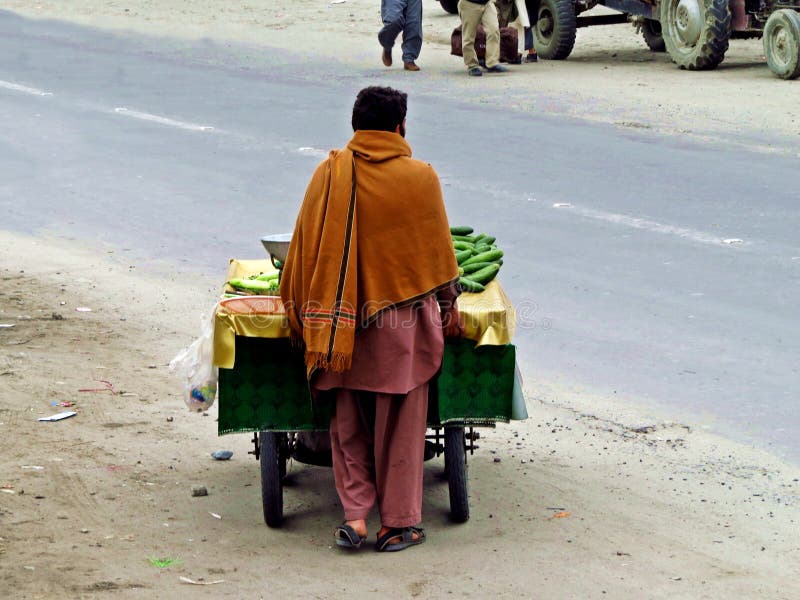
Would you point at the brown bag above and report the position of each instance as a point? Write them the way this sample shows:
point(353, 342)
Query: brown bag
point(509, 44)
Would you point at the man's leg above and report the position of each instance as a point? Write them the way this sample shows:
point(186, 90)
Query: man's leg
point(412, 32)
point(351, 447)
point(400, 424)
point(470, 14)
point(393, 14)
point(492, 28)
point(531, 18)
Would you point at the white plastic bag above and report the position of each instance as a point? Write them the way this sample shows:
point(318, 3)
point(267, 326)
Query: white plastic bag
point(194, 366)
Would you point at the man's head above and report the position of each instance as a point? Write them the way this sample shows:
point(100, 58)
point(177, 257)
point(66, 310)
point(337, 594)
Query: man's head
point(381, 109)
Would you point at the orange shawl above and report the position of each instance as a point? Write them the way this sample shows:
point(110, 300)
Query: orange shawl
point(372, 234)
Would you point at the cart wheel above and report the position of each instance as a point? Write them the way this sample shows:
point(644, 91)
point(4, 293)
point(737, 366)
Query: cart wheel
point(273, 469)
point(455, 464)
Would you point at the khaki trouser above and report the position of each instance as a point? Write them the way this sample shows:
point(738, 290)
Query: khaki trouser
point(472, 15)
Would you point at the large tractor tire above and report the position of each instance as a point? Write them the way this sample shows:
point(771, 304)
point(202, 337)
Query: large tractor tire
point(554, 32)
point(450, 6)
point(651, 32)
point(782, 43)
point(696, 32)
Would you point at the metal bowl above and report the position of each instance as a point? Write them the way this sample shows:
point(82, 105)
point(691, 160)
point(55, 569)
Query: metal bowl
point(277, 245)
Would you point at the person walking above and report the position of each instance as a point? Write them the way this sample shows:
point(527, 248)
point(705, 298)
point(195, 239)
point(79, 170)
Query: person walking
point(472, 14)
point(527, 19)
point(370, 288)
point(401, 16)
point(518, 13)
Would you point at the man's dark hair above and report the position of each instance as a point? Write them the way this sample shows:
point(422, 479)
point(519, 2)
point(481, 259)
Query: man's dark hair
point(379, 108)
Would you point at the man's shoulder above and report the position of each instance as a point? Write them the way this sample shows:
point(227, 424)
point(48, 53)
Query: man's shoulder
point(420, 167)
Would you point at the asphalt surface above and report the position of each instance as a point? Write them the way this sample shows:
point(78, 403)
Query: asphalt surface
point(643, 267)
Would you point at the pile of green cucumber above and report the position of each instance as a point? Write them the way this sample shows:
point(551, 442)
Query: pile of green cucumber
point(259, 284)
point(478, 257)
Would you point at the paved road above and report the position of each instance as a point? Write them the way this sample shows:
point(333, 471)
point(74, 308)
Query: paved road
point(619, 243)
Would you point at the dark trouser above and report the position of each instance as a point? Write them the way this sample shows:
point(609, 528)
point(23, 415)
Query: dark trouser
point(532, 18)
point(528, 38)
point(402, 16)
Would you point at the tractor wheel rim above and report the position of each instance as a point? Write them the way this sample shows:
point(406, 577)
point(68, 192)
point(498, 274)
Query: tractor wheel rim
point(688, 22)
point(781, 47)
point(546, 23)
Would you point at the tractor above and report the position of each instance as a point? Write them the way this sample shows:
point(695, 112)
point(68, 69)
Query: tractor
point(695, 33)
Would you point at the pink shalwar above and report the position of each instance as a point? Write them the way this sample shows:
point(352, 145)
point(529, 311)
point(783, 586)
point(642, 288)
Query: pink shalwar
point(379, 422)
point(378, 443)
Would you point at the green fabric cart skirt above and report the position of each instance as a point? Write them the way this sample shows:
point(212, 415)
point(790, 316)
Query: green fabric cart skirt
point(267, 388)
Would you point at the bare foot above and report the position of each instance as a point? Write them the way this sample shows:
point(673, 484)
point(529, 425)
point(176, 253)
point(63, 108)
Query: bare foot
point(359, 525)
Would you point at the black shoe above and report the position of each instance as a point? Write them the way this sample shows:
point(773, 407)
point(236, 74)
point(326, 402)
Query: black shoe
point(532, 58)
point(497, 69)
point(475, 72)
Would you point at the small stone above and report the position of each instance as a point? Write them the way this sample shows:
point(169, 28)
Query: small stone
point(152, 366)
point(199, 490)
point(221, 455)
point(84, 530)
point(497, 459)
point(57, 316)
point(169, 419)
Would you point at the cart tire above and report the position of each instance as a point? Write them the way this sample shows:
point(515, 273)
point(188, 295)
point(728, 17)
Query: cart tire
point(696, 32)
point(450, 6)
point(782, 43)
point(455, 464)
point(651, 32)
point(555, 28)
point(273, 469)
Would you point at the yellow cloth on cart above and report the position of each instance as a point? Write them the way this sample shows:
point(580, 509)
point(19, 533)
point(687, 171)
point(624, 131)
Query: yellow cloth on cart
point(488, 316)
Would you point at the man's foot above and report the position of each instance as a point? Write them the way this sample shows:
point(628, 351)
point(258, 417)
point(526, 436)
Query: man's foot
point(393, 539)
point(497, 69)
point(475, 72)
point(386, 57)
point(532, 58)
point(351, 534)
point(410, 66)
point(359, 525)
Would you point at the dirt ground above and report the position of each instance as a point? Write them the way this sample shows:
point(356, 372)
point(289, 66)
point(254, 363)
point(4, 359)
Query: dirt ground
point(612, 504)
point(564, 505)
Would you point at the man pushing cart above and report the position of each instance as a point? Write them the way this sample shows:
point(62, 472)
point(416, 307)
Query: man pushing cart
point(369, 290)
